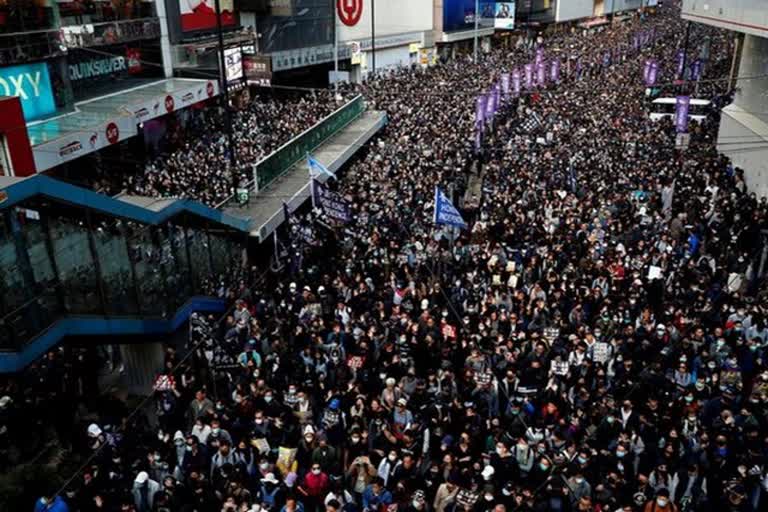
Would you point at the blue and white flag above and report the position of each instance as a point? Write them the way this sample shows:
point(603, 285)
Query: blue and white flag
point(445, 212)
point(316, 167)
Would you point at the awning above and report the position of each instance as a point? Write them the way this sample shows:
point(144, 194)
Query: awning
point(100, 122)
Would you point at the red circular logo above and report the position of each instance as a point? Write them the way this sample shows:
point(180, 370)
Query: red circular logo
point(209, 89)
point(169, 103)
point(112, 133)
point(349, 11)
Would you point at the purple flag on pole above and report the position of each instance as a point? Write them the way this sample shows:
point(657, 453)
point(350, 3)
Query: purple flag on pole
point(529, 76)
point(653, 73)
point(516, 79)
point(541, 74)
point(505, 83)
point(539, 55)
point(647, 70)
point(555, 71)
point(696, 70)
point(480, 110)
point(496, 97)
point(680, 63)
point(681, 113)
point(490, 106)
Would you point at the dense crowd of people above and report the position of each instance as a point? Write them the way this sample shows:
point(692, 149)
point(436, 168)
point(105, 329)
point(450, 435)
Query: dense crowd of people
point(260, 128)
point(595, 341)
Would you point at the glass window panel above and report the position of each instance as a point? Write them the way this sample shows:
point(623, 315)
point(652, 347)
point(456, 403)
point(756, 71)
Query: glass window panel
point(201, 259)
point(74, 260)
point(175, 263)
point(150, 279)
point(116, 273)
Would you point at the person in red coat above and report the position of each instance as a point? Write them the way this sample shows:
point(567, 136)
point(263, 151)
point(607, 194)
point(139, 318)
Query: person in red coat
point(314, 488)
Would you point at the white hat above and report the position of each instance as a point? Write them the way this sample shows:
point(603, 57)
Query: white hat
point(424, 304)
point(141, 477)
point(94, 430)
point(309, 429)
point(488, 472)
point(5, 401)
point(270, 477)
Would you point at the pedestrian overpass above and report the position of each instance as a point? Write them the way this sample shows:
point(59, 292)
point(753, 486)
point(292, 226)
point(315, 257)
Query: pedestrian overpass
point(79, 263)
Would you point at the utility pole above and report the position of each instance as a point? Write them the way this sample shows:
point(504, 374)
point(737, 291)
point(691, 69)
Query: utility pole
point(373, 36)
point(335, 54)
point(685, 49)
point(225, 97)
point(477, 25)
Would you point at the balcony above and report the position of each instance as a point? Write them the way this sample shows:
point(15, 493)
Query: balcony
point(110, 32)
point(20, 47)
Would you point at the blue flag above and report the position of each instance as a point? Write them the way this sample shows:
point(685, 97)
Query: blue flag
point(445, 212)
point(317, 167)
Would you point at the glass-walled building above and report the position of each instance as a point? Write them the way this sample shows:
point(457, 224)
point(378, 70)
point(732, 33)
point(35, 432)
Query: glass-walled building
point(61, 261)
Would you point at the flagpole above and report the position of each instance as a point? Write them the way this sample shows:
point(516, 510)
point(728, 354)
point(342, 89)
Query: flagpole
point(477, 25)
point(336, 55)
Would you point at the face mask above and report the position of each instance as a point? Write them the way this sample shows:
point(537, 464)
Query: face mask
point(610, 419)
point(315, 471)
point(180, 443)
point(544, 467)
point(689, 399)
point(499, 452)
point(258, 421)
point(189, 448)
point(506, 492)
point(355, 440)
point(416, 504)
point(392, 458)
point(216, 431)
point(579, 480)
point(722, 452)
point(581, 460)
point(268, 398)
point(488, 497)
point(662, 502)
point(620, 454)
point(264, 466)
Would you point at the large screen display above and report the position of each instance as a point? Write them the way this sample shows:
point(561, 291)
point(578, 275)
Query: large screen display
point(32, 84)
point(460, 14)
point(201, 14)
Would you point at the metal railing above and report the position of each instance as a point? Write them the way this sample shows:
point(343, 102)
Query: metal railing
point(110, 32)
point(282, 159)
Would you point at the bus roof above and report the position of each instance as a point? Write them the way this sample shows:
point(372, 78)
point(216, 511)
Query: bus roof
point(694, 101)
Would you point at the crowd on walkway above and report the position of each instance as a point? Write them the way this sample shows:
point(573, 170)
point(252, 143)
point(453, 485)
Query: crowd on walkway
point(259, 129)
point(596, 340)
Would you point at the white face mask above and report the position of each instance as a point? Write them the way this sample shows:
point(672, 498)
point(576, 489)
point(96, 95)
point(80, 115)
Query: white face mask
point(416, 504)
point(662, 502)
point(315, 471)
point(392, 458)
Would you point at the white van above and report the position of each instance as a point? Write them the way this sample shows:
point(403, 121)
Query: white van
point(665, 107)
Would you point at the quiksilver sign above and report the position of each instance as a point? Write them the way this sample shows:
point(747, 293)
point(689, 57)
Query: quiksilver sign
point(96, 67)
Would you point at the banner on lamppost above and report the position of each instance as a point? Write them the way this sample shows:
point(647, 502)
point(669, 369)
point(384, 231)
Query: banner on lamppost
point(682, 107)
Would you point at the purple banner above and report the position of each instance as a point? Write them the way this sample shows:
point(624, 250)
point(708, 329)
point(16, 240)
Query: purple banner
point(478, 137)
point(680, 63)
point(497, 97)
point(490, 106)
point(555, 71)
point(505, 83)
point(539, 55)
point(696, 70)
point(529, 76)
point(480, 109)
point(541, 74)
point(647, 70)
point(681, 113)
point(653, 74)
point(516, 79)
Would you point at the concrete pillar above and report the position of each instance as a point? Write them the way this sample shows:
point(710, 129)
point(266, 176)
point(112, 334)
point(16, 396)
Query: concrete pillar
point(165, 42)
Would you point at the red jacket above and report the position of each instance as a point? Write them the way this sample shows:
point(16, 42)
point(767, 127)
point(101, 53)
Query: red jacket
point(315, 485)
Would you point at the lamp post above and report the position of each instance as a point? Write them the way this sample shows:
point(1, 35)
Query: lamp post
point(225, 95)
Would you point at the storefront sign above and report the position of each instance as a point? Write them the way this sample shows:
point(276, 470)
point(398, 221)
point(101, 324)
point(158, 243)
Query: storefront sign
point(97, 67)
point(32, 84)
point(161, 105)
point(76, 144)
point(258, 69)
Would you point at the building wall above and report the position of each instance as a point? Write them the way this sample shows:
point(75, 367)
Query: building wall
point(392, 17)
point(574, 9)
point(752, 93)
point(744, 127)
point(623, 5)
point(748, 16)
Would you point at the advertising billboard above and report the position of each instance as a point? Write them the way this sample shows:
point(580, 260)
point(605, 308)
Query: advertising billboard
point(392, 18)
point(505, 15)
point(32, 84)
point(114, 67)
point(460, 14)
point(201, 14)
point(292, 24)
point(233, 64)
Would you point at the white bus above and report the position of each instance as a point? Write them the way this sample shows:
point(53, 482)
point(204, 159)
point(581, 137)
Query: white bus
point(665, 107)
